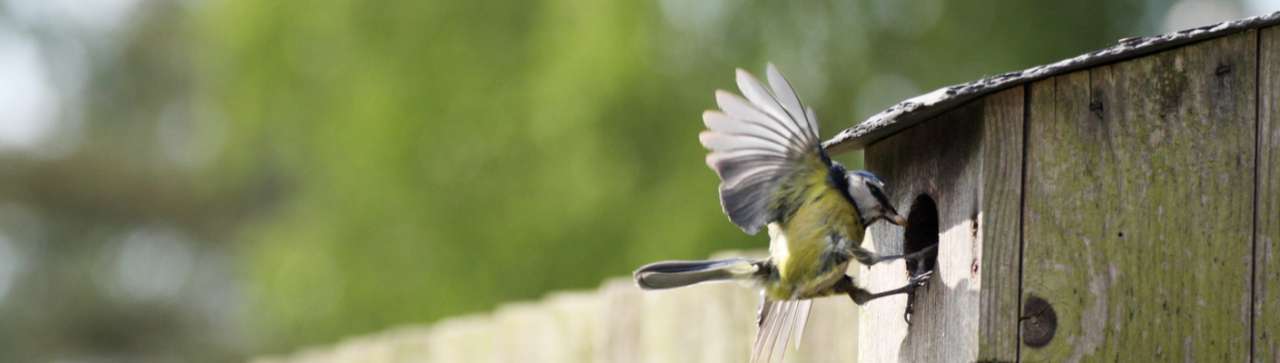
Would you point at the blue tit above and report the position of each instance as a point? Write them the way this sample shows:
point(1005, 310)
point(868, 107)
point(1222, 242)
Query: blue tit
point(775, 174)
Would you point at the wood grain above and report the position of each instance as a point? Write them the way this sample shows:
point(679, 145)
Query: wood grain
point(1139, 206)
point(941, 158)
point(1266, 301)
point(1001, 225)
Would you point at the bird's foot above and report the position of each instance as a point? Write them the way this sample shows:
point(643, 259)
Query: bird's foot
point(920, 279)
point(917, 280)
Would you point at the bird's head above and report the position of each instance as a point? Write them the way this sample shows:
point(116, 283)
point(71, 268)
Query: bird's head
point(867, 192)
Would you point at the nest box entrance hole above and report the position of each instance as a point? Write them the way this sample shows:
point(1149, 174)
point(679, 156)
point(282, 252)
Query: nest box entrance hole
point(921, 233)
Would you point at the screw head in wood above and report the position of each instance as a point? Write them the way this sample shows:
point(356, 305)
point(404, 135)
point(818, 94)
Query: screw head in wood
point(1039, 322)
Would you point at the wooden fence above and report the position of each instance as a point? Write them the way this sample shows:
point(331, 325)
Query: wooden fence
point(614, 323)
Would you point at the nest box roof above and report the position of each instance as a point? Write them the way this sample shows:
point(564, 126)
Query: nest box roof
point(916, 109)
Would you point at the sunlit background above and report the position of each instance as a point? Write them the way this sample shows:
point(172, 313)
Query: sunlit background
point(207, 180)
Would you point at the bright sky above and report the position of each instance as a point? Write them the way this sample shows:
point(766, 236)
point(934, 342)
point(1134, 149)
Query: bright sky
point(28, 103)
point(30, 99)
point(1259, 7)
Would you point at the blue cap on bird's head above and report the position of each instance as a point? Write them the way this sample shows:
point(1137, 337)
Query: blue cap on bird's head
point(867, 191)
point(868, 176)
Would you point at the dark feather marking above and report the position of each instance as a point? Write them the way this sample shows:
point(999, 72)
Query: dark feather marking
point(880, 197)
point(833, 256)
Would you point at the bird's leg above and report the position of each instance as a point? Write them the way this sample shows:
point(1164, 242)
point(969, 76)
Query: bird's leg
point(922, 253)
point(869, 258)
point(861, 296)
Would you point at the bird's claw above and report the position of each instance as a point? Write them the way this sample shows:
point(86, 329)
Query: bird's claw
point(921, 279)
point(917, 280)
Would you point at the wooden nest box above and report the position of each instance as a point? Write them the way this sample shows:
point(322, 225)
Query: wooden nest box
point(1123, 205)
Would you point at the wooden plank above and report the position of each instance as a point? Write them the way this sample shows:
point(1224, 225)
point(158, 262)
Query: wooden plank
point(409, 344)
point(1138, 210)
point(462, 339)
point(728, 311)
point(1001, 224)
point(940, 158)
point(831, 335)
point(575, 317)
point(363, 349)
point(621, 319)
point(526, 332)
point(1266, 301)
point(672, 331)
point(616, 323)
point(701, 323)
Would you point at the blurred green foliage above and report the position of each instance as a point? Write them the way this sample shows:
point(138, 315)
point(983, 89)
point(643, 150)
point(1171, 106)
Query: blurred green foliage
point(435, 158)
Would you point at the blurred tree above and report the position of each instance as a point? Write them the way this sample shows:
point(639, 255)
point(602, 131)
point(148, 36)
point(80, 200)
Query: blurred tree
point(108, 233)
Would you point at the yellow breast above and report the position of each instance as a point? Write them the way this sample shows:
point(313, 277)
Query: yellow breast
point(798, 247)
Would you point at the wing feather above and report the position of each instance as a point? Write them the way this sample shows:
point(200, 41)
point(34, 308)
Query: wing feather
point(761, 146)
point(730, 142)
point(743, 110)
point(722, 123)
point(804, 309)
point(777, 322)
point(778, 348)
point(760, 97)
point(790, 101)
point(768, 318)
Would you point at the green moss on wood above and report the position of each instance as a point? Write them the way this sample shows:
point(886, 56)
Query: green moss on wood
point(1266, 303)
point(1139, 206)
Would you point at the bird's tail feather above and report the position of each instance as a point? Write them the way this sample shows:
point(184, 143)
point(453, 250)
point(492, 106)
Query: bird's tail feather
point(670, 274)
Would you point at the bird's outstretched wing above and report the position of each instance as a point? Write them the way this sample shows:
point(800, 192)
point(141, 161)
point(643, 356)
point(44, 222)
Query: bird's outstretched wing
point(777, 322)
point(764, 148)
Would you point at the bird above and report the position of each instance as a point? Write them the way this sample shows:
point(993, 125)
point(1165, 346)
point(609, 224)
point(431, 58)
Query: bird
point(775, 175)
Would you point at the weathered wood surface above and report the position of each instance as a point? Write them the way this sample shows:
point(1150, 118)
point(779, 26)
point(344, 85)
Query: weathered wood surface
point(1139, 206)
point(1266, 303)
point(945, 160)
point(616, 323)
point(1001, 225)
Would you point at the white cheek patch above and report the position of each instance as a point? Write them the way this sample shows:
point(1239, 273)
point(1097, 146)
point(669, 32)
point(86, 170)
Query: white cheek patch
point(863, 199)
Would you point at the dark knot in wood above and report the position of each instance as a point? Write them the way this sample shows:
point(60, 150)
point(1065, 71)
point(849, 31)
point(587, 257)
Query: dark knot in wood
point(1095, 106)
point(1039, 322)
point(1222, 69)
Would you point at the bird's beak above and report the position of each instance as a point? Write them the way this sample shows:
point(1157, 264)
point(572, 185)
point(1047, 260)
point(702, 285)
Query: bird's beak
point(897, 219)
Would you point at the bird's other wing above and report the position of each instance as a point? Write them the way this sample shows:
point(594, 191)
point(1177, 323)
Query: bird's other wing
point(762, 147)
point(777, 321)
